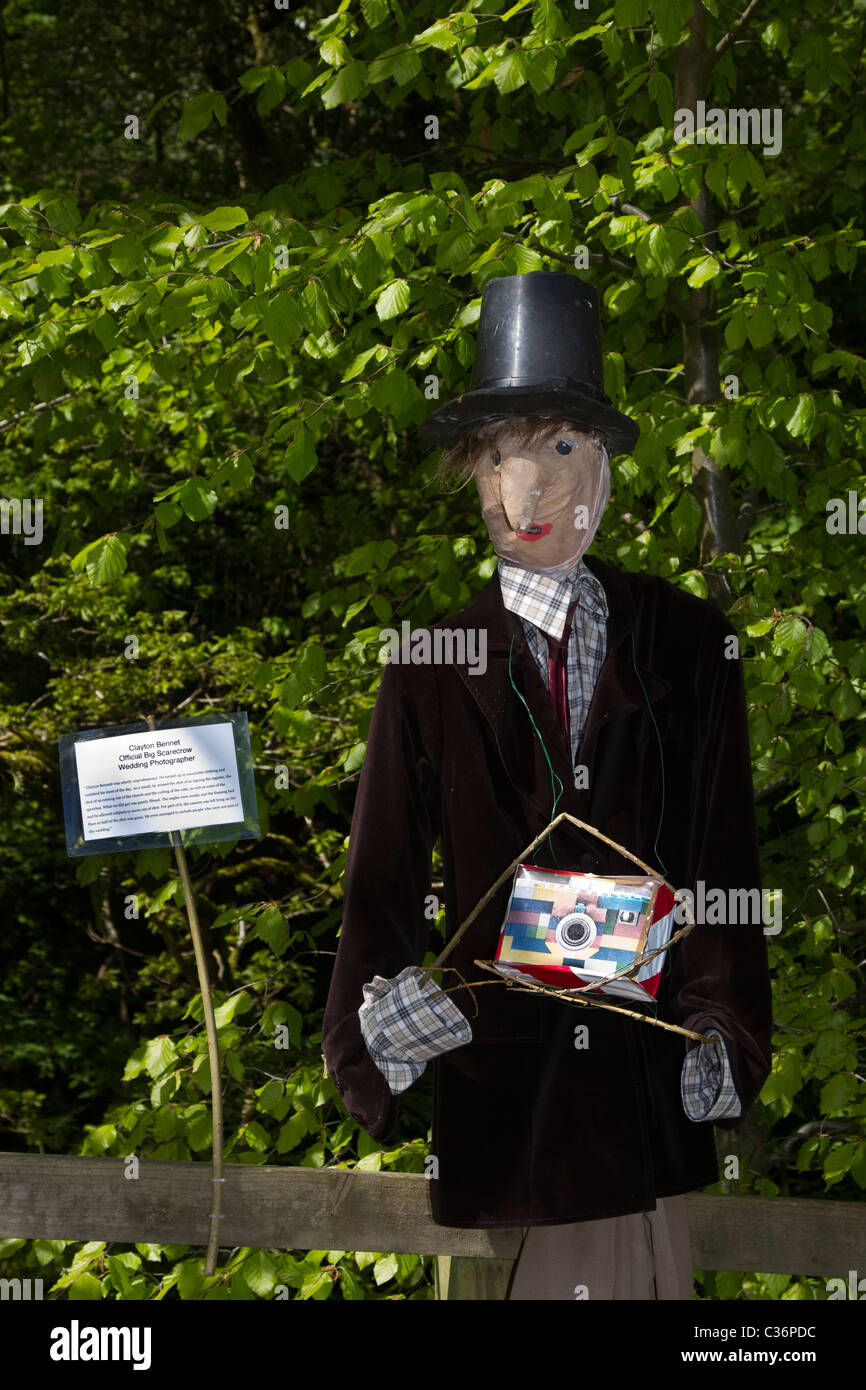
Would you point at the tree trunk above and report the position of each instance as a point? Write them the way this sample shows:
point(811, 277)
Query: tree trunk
point(718, 533)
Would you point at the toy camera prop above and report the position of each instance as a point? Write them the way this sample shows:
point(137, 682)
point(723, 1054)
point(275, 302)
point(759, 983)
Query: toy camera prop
point(568, 929)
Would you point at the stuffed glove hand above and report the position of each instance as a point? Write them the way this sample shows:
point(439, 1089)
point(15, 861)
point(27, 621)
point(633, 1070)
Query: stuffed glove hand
point(405, 1022)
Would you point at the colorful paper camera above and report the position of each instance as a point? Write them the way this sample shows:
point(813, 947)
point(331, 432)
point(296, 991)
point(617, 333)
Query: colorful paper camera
point(568, 929)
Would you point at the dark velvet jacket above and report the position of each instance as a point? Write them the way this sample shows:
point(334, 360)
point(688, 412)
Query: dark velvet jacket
point(528, 1128)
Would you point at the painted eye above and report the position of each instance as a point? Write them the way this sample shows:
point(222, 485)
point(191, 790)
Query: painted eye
point(497, 458)
point(563, 447)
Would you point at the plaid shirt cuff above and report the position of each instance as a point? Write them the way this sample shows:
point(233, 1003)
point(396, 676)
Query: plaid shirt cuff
point(407, 1021)
point(707, 1085)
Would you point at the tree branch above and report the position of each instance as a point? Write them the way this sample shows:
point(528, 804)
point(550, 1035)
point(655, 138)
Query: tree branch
point(596, 258)
point(41, 405)
point(734, 32)
point(629, 209)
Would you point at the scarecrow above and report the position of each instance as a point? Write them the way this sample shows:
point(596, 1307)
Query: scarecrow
point(612, 696)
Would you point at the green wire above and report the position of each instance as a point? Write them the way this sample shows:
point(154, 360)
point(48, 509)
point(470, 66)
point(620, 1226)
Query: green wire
point(661, 759)
point(554, 777)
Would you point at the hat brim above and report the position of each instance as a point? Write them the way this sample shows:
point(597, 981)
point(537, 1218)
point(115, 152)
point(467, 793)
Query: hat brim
point(451, 420)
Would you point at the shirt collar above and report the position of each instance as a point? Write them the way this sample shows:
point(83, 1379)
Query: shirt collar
point(545, 601)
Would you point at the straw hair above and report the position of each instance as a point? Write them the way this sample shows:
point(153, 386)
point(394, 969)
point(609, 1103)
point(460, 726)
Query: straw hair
point(457, 463)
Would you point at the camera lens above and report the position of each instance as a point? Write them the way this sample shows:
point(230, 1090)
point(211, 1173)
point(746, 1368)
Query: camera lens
point(575, 931)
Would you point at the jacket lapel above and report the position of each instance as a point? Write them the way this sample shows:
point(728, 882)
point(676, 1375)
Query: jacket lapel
point(618, 691)
point(626, 673)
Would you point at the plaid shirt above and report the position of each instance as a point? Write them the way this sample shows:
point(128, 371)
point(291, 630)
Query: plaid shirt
point(407, 1021)
point(706, 1085)
point(542, 605)
point(405, 1025)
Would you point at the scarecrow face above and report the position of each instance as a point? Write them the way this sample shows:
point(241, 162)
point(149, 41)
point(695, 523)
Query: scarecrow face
point(542, 502)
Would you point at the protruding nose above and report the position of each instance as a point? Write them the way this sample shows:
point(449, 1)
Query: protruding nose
point(519, 491)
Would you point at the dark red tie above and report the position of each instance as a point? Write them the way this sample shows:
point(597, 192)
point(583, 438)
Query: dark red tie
point(557, 672)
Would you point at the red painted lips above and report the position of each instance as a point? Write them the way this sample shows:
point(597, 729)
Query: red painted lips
point(535, 533)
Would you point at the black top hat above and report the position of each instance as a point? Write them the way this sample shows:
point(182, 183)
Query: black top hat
point(538, 353)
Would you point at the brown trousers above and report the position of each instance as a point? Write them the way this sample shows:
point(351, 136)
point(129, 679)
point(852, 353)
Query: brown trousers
point(643, 1256)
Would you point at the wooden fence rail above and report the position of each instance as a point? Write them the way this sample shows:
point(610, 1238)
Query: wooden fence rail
point(58, 1197)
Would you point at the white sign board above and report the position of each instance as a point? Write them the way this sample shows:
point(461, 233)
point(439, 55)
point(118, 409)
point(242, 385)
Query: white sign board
point(173, 779)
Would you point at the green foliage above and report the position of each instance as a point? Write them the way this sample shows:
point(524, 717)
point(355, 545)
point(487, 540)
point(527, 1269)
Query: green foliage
point(218, 340)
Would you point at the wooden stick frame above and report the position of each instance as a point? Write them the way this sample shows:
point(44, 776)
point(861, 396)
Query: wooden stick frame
point(572, 995)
